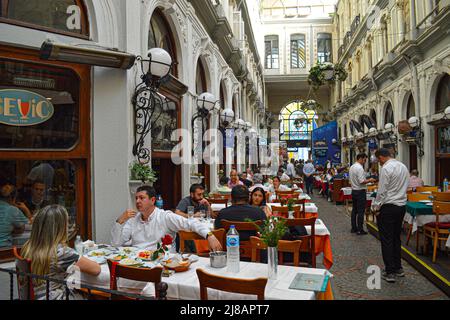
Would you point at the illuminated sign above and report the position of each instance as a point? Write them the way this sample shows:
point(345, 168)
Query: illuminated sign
point(24, 108)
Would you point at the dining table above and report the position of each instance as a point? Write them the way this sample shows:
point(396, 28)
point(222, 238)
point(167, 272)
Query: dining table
point(186, 286)
point(421, 213)
point(321, 238)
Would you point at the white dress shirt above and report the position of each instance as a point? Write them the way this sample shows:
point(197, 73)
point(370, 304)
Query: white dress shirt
point(393, 184)
point(290, 170)
point(357, 177)
point(146, 234)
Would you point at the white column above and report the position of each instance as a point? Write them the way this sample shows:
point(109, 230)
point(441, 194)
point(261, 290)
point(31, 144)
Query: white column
point(400, 22)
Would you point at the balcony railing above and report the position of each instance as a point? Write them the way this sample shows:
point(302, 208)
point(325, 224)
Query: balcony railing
point(349, 35)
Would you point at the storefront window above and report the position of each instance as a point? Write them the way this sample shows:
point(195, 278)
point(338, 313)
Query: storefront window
point(34, 185)
point(444, 139)
point(67, 16)
point(39, 107)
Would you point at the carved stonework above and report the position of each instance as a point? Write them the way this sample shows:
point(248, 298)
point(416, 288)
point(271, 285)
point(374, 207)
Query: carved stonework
point(196, 42)
point(183, 25)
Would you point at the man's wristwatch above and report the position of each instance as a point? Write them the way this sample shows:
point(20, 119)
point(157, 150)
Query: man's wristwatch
point(209, 234)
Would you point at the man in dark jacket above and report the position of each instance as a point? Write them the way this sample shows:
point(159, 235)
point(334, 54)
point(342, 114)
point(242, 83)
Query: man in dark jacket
point(240, 210)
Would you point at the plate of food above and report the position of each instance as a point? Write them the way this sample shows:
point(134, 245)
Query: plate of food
point(128, 250)
point(118, 257)
point(177, 265)
point(145, 255)
point(99, 253)
point(130, 262)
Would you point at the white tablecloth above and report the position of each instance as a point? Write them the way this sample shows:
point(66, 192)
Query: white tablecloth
point(447, 244)
point(309, 206)
point(422, 219)
point(217, 206)
point(185, 285)
point(347, 191)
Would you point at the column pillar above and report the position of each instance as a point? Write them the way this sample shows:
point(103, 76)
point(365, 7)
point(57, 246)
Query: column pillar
point(413, 19)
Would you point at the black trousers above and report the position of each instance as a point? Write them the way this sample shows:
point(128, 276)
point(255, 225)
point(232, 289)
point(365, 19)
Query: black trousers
point(359, 199)
point(389, 223)
point(309, 184)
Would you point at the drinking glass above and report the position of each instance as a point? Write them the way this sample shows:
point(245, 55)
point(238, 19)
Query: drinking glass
point(202, 214)
point(190, 212)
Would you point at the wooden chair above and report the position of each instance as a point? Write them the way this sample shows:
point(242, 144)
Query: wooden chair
point(136, 274)
point(244, 246)
point(189, 235)
point(283, 246)
point(441, 196)
point(427, 189)
point(372, 188)
point(282, 195)
point(255, 287)
point(416, 197)
point(311, 238)
point(25, 287)
point(437, 231)
point(284, 212)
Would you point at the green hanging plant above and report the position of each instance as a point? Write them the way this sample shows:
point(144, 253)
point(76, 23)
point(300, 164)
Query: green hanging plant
point(142, 172)
point(326, 72)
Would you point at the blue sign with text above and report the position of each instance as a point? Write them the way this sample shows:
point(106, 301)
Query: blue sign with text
point(24, 108)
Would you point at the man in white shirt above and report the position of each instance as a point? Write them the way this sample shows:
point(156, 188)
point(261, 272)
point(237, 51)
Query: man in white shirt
point(145, 228)
point(391, 204)
point(290, 170)
point(308, 171)
point(358, 182)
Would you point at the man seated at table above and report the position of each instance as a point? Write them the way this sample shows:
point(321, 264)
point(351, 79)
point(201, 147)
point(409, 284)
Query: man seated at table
point(234, 179)
point(258, 182)
point(35, 199)
point(240, 210)
point(146, 227)
point(196, 200)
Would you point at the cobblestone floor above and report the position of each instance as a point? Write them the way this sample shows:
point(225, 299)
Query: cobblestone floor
point(353, 254)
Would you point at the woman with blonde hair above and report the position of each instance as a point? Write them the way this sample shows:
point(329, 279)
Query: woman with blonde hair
point(49, 254)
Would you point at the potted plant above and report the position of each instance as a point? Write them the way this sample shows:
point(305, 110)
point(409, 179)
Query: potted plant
point(143, 173)
point(271, 231)
point(326, 72)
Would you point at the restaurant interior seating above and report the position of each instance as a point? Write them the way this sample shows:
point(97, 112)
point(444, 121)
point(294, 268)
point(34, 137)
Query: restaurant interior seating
point(283, 211)
point(437, 231)
point(137, 274)
point(284, 246)
point(244, 286)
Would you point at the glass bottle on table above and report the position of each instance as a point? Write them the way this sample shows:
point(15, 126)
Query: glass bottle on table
point(190, 212)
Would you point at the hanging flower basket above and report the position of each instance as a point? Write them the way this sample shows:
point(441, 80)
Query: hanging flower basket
point(326, 73)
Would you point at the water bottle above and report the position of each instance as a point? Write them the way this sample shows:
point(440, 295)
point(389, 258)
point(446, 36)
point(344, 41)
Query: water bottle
point(233, 250)
point(159, 202)
point(445, 185)
point(79, 245)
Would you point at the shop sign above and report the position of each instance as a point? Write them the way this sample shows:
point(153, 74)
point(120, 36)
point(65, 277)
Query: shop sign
point(24, 108)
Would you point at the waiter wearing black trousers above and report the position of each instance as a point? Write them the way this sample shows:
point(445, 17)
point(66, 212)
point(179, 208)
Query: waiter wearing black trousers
point(358, 182)
point(390, 205)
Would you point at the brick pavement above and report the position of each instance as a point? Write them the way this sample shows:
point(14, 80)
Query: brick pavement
point(353, 254)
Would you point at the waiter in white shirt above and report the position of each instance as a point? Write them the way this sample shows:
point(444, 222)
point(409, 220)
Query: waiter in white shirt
point(146, 228)
point(391, 204)
point(358, 182)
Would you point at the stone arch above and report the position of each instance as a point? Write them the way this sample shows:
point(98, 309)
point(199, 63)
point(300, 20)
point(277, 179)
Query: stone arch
point(433, 91)
point(103, 23)
point(387, 104)
point(174, 19)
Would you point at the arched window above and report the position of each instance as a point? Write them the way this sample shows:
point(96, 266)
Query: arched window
point(388, 114)
point(298, 51)
point(200, 78)
point(57, 16)
point(160, 36)
point(373, 116)
point(324, 47)
point(411, 107)
point(271, 52)
point(291, 126)
point(443, 94)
